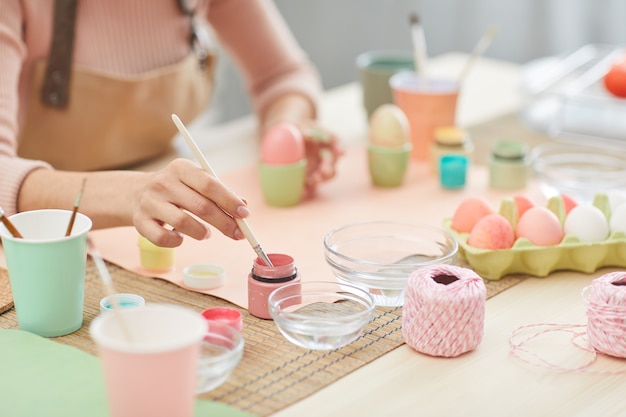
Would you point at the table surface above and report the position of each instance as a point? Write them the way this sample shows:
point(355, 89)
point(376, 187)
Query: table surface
point(488, 381)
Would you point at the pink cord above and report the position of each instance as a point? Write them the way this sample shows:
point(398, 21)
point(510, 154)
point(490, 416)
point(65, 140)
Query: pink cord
point(444, 310)
point(605, 332)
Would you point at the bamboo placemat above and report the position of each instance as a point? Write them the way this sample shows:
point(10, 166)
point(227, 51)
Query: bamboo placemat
point(6, 297)
point(273, 372)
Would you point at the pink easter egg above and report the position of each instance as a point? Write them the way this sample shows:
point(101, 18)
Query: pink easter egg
point(493, 231)
point(540, 226)
point(283, 144)
point(470, 211)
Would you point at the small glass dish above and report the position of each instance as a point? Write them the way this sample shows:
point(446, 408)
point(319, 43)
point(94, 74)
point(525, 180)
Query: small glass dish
point(379, 256)
point(320, 315)
point(222, 350)
point(580, 171)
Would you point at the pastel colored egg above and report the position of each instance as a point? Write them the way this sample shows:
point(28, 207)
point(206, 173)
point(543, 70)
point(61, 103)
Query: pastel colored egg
point(283, 144)
point(540, 226)
point(587, 223)
point(616, 198)
point(388, 126)
point(618, 219)
point(568, 202)
point(493, 231)
point(522, 203)
point(469, 212)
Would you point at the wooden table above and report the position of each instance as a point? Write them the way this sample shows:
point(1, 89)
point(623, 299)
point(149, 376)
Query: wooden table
point(487, 381)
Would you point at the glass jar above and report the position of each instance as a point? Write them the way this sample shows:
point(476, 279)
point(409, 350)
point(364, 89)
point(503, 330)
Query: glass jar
point(509, 165)
point(450, 140)
point(264, 279)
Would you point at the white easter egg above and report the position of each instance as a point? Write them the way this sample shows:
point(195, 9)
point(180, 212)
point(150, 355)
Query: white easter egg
point(618, 219)
point(587, 223)
point(616, 198)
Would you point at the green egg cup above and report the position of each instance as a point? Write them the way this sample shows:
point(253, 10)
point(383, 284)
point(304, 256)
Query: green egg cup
point(526, 258)
point(388, 165)
point(283, 185)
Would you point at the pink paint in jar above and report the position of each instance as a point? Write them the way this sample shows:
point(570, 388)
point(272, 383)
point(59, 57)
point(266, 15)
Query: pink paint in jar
point(264, 279)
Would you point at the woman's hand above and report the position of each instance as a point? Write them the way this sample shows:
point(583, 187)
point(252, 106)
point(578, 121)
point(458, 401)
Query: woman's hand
point(183, 199)
point(322, 152)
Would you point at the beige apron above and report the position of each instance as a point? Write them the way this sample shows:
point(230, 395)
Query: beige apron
point(113, 122)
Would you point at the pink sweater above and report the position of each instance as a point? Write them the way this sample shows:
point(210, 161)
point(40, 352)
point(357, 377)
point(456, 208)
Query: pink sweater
point(126, 37)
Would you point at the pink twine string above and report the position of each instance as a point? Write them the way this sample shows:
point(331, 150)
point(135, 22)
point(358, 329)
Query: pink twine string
point(444, 310)
point(605, 332)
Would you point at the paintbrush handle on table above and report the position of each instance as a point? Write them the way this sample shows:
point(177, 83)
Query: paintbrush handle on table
point(243, 225)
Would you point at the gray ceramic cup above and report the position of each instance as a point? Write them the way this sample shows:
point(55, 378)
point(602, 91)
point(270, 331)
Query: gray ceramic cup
point(375, 68)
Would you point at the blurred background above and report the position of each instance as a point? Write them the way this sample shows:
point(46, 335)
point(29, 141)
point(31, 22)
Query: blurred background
point(335, 32)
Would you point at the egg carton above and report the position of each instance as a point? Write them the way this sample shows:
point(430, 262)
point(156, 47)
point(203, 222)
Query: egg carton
point(526, 258)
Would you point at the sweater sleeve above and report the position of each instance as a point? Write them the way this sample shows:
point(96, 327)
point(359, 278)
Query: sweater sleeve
point(267, 53)
point(13, 170)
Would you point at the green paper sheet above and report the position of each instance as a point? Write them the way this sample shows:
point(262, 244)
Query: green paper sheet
point(40, 377)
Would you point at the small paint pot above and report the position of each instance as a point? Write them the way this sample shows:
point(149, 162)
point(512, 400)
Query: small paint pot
point(153, 257)
point(453, 171)
point(124, 301)
point(228, 315)
point(203, 276)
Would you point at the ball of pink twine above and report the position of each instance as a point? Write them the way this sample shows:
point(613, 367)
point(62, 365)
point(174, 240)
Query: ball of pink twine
point(444, 310)
point(605, 303)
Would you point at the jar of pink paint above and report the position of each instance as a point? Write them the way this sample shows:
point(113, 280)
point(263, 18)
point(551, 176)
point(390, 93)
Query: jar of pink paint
point(264, 279)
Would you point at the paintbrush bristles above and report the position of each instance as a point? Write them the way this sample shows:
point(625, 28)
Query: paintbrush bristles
point(10, 226)
point(419, 47)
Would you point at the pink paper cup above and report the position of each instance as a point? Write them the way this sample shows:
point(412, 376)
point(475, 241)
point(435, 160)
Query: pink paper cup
point(154, 371)
point(428, 105)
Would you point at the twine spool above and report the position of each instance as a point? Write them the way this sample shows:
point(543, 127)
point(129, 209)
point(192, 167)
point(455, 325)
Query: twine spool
point(605, 302)
point(444, 310)
point(605, 332)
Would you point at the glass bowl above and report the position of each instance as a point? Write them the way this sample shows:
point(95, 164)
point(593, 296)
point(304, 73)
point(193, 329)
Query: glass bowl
point(320, 315)
point(222, 350)
point(580, 171)
point(379, 256)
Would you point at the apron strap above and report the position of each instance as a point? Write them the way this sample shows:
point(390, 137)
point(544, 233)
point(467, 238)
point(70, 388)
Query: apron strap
point(55, 90)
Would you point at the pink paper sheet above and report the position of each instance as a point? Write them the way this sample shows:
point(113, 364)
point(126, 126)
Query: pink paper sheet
point(299, 231)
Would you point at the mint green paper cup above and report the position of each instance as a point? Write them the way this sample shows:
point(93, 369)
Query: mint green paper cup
point(283, 185)
point(388, 165)
point(47, 270)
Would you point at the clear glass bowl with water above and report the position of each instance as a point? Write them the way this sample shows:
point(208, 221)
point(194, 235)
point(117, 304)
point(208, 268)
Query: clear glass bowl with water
point(321, 315)
point(379, 256)
point(221, 352)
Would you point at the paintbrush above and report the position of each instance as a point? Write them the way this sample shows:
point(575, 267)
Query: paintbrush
point(107, 283)
point(243, 225)
point(75, 210)
point(479, 49)
point(419, 46)
point(7, 223)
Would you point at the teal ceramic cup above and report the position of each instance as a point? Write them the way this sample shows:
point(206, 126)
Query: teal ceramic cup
point(283, 185)
point(47, 270)
point(388, 165)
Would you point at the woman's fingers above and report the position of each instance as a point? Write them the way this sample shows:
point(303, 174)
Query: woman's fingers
point(186, 198)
